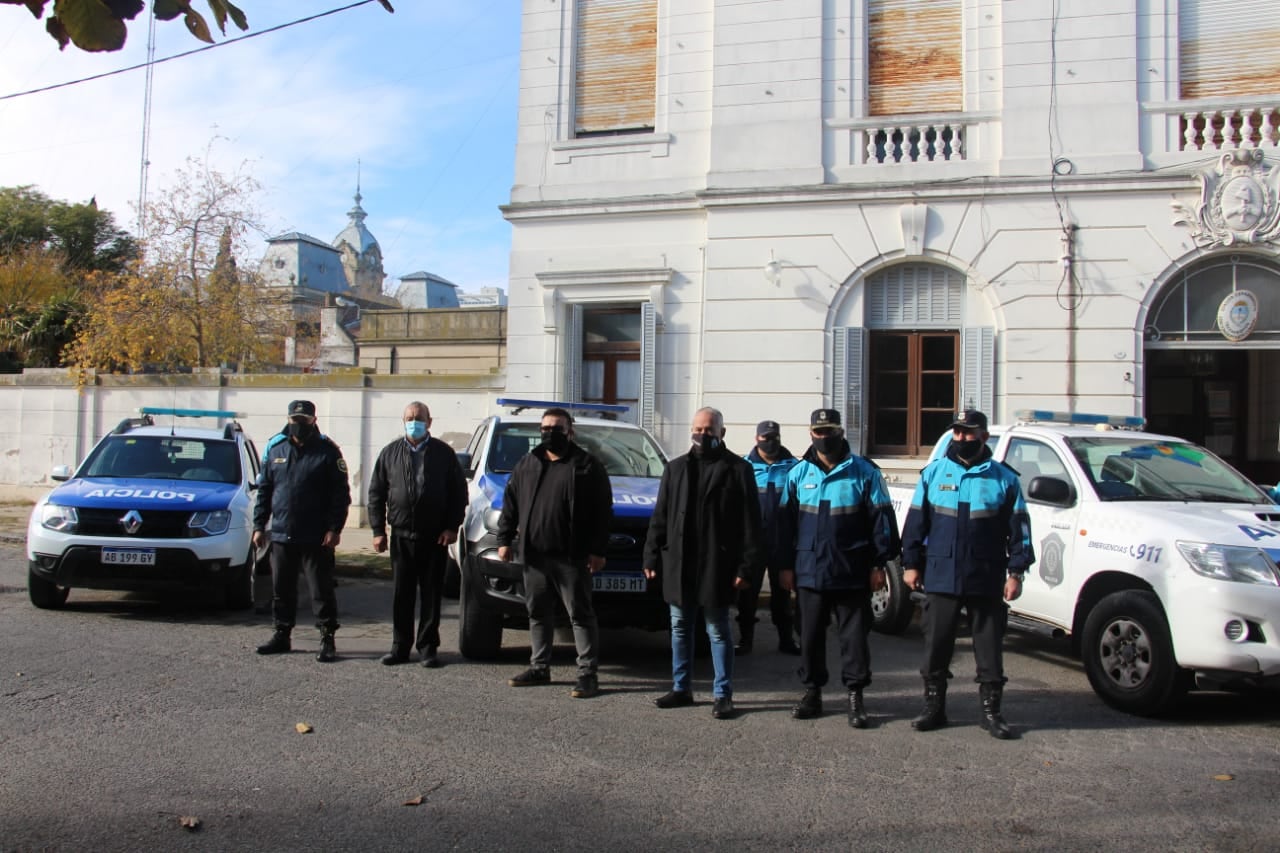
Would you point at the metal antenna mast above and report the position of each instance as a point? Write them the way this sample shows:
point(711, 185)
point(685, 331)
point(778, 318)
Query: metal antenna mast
point(145, 163)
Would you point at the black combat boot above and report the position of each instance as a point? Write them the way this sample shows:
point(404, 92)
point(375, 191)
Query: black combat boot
point(809, 706)
point(746, 637)
point(279, 642)
point(992, 721)
point(328, 651)
point(857, 710)
point(934, 715)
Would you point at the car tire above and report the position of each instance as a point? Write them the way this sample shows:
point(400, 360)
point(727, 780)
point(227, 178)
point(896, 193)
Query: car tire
point(892, 608)
point(479, 632)
point(45, 594)
point(1128, 654)
point(239, 592)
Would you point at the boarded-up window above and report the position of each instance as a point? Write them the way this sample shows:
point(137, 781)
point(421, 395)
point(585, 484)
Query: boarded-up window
point(616, 55)
point(1228, 47)
point(914, 57)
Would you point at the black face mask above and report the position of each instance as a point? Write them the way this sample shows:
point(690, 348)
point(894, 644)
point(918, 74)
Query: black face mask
point(300, 431)
point(555, 440)
point(701, 442)
point(828, 445)
point(769, 446)
point(968, 449)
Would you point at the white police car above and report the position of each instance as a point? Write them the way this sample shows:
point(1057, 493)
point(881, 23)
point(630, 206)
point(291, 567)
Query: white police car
point(1158, 559)
point(492, 592)
point(152, 507)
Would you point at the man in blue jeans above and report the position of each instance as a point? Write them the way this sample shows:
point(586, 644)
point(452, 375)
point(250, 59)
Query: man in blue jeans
point(705, 538)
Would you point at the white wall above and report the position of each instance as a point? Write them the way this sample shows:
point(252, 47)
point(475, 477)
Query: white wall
point(49, 420)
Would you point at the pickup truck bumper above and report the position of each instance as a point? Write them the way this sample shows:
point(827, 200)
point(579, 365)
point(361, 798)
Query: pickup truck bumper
point(1226, 628)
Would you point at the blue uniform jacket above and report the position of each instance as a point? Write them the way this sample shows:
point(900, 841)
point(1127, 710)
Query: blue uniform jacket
point(841, 522)
point(302, 491)
point(975, 523)
point(771, 481)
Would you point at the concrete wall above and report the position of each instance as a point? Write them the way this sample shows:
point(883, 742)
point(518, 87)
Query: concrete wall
point(51, 418)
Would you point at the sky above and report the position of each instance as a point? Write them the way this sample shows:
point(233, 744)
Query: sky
point(424, 100)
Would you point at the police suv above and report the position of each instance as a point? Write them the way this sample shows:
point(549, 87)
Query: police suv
point(492, 592)
point(1157, 558)
point(151, 508)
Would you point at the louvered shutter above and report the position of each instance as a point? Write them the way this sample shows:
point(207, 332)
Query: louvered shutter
point(573, 355)
point(914, 296)
point(616, 56)
point(847, 382)
point(1223, 44)
point(648, 364)
point(914, 57)
point(978, 368)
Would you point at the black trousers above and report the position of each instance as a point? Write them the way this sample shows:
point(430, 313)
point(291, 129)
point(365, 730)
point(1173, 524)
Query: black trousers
point(988, 618)
point(418, 569)
point(316, 561)
point(548, 578)
point(852, 610)
point(779, 607)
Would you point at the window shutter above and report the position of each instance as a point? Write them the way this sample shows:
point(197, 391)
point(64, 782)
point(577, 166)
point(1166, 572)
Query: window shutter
point(1222, 45)
point(978, 366)
point(914, 57)
point(916, 296)
point(573, 356)
point(616, 69)
point(847, 382)
point(648, 364)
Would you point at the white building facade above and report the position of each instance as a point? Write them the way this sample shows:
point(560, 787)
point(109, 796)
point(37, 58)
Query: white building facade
point(902, 208)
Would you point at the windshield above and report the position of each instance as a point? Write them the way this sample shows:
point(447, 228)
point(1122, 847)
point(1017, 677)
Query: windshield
point(624, 452)
point(1124, 468)
point(164, 458)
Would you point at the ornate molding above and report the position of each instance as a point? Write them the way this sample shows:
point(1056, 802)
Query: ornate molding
point(1238, 201)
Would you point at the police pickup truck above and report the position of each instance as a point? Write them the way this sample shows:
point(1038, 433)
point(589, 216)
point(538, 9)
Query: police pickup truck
point(491, 595)
point(152, 507)
point(1157, 558)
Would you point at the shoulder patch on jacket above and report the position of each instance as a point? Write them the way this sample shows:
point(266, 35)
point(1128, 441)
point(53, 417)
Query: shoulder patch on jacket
point(342, 465)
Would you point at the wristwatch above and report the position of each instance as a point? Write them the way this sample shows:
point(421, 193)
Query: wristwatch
point(1018, 575)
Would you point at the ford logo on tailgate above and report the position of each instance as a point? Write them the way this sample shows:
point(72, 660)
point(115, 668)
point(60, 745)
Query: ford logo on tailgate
point(621, 541)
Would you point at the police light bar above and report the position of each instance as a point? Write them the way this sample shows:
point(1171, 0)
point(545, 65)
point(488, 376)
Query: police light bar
point(519, 406)
point(190, 413)
point(1081, 418)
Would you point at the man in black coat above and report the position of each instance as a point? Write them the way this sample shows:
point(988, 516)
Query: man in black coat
point(555, 519)
point(303, 491)
point(706, 539)
point(418, 490)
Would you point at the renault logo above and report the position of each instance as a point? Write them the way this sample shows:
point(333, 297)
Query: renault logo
point(621, 540)
point(131, 522)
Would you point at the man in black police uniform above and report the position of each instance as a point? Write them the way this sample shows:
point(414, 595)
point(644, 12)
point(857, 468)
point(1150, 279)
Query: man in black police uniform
point(417, 488)
point(304, 493)
point(556, 511)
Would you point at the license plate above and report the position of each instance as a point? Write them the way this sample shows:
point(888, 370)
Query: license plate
point(128, 556)
point(619, 583)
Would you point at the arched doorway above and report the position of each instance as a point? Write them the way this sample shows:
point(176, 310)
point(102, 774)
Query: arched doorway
point(1211, 357)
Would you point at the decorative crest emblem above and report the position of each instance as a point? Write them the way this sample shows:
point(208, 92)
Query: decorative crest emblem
point(1237, 315)
point(1238, 201)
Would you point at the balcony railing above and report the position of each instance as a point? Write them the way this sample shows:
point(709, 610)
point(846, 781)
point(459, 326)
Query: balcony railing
point(1220, 125)
point(923, 139)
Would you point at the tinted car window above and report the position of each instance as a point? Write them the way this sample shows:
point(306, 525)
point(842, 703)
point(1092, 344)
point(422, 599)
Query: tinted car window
point(623, 452)
point(164, 458)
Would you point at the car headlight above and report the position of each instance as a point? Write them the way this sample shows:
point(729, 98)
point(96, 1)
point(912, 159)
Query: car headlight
point(491, 517)
point(60, 518)
point(1229, 563)
point(210, 523)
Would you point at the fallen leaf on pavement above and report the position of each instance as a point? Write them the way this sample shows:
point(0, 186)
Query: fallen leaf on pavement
point(1223, 777)
point(303, 728)
point(416, 801)
point(189, 823)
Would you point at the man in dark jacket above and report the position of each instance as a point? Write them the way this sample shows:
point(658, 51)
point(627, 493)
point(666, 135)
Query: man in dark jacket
point(771, 462)
point(304, 493)
point(842, 530)
point(969, 508)
point(705, 539)
point(418, 490)
point(555, 519)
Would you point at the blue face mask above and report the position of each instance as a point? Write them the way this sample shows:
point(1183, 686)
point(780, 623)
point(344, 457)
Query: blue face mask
point(415, 430)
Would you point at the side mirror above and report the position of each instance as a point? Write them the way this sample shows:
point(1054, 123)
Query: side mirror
point(464, 459)
point(60, 473)
point(1051, 490)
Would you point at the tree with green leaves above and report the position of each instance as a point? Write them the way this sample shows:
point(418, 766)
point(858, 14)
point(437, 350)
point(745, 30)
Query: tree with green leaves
point(99, 25)
point(85, 237)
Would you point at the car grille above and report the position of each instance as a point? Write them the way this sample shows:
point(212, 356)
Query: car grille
point(156, 524)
